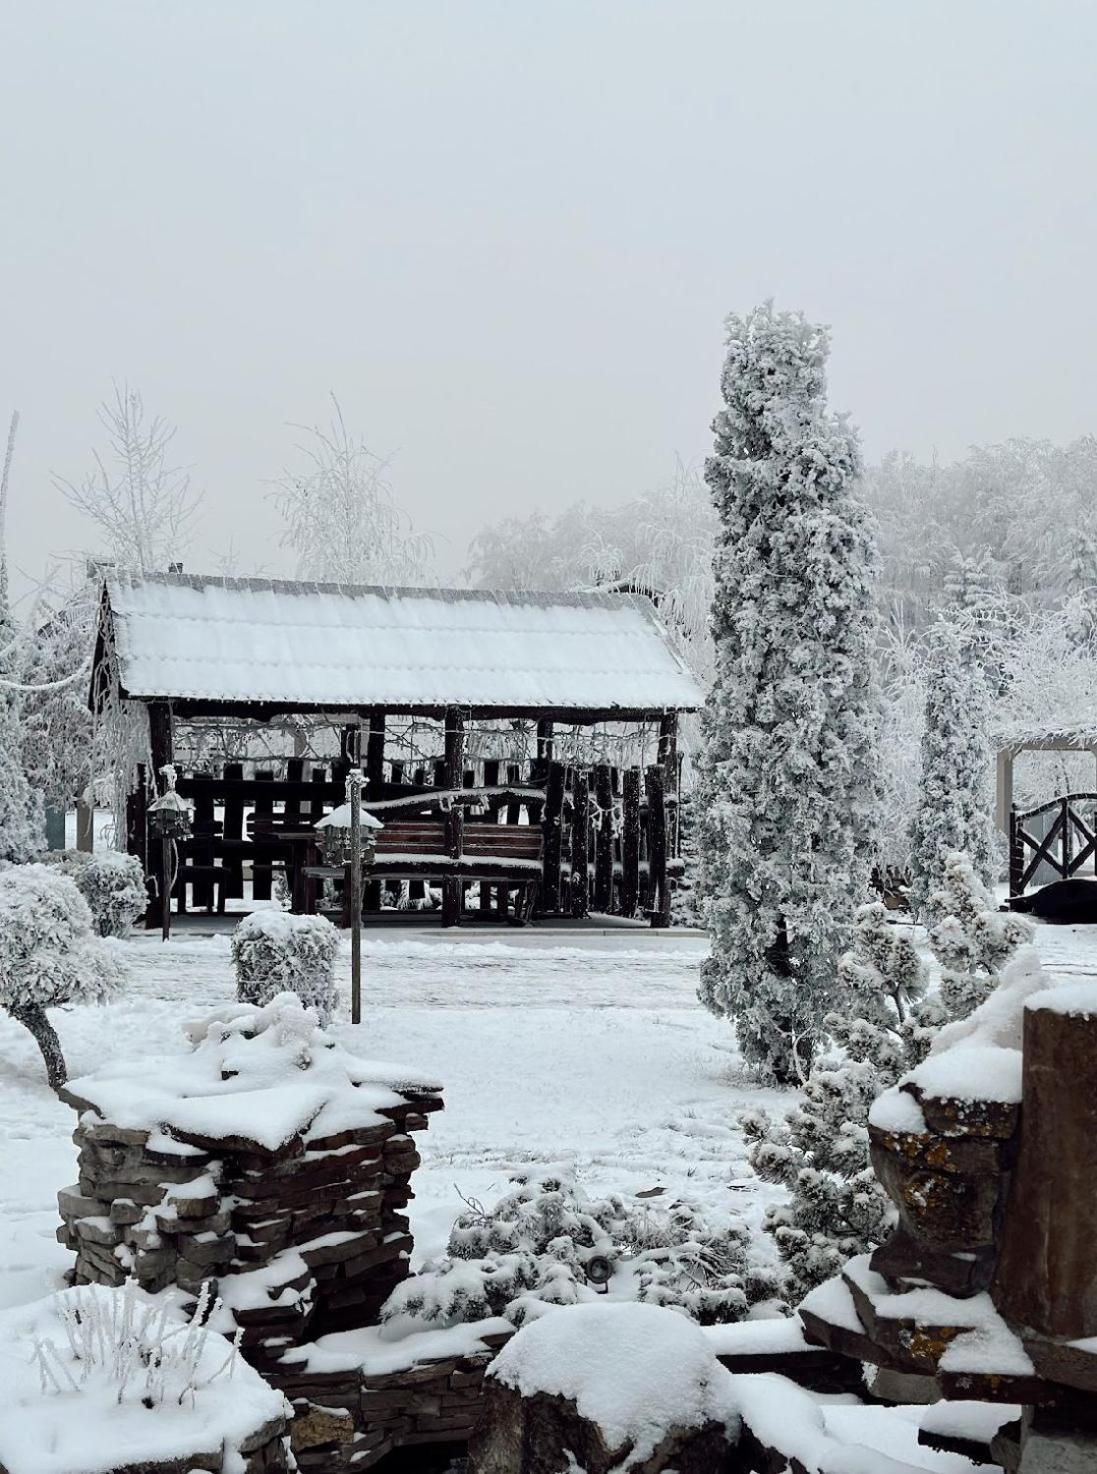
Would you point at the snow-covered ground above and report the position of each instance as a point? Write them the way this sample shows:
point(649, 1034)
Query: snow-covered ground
point(593, 1053)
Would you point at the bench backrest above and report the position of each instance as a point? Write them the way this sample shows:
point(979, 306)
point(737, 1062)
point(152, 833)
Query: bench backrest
point(428, 837)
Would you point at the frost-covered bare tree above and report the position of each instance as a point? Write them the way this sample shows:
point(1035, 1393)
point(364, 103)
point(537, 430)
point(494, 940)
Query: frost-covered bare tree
point(21, 814)
point(141, 505)
point(659, 543)
point(341, 518)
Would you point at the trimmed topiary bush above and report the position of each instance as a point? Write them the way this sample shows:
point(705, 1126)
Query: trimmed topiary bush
point(113, 885)
point(49, 954)
point(275, 952)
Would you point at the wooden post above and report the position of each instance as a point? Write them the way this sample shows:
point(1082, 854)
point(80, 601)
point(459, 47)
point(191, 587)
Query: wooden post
point(263, 812)
point(546, 749)
point(580, 840)
point(136, 821)
point(452, 887)
point(375, 785)
point(603, 839)
point(1046, 1275)
point(630, 844)
point(668, 761)
point(202, 848)
point(491, 780)
point(552, 826)
point(1016, 854)
point(85, 825)
point(232, 831)
point(1003, 788)
point(161, 750)
point(658, 890)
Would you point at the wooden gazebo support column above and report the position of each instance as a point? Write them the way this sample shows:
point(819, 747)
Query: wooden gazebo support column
point(453, 889)
point(162, 751)
point(375, 780)
point(662, 789)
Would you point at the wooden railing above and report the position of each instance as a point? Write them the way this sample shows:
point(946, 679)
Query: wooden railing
point(1069, 845)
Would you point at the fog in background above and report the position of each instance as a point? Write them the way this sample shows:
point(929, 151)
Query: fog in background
point(506, 234)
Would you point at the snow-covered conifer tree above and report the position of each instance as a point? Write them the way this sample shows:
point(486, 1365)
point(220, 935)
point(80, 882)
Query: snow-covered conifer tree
point(788, 769)
point(955, 798)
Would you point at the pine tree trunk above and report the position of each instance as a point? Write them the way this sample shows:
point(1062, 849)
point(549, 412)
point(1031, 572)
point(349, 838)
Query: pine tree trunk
point(33, 1017)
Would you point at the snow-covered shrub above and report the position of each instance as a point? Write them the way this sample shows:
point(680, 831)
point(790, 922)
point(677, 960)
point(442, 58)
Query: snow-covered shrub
point(787, 776)
point(973, 940)
point(546, 1243)
point(955, 796)
point(819, 1151)
point(49, 954)
point(275, 952)
point(113, 885)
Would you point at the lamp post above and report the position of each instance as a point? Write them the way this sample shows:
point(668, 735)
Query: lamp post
point(347, 836)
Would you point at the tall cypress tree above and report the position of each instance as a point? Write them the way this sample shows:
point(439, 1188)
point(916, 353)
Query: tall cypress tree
point(955, 790)
point(789, 763)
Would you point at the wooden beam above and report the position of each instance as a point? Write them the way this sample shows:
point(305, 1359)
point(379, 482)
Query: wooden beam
point(452, 887)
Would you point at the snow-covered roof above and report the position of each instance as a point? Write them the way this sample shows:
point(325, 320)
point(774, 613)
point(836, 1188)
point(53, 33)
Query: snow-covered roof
point(310, 644)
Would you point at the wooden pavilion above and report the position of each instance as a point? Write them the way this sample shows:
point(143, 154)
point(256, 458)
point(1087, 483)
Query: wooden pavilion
point(553, 784)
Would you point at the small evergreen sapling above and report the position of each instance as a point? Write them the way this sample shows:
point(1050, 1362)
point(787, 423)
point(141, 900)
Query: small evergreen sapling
point(819, 1151)
point(787, 774)
point(973, 940)
point(49, 955)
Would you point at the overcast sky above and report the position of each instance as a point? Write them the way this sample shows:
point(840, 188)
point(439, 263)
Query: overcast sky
point(506, 234)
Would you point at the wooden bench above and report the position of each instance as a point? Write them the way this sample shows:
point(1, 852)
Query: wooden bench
point(506, 855)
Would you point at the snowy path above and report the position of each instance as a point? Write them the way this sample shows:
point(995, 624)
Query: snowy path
point(596, 1056)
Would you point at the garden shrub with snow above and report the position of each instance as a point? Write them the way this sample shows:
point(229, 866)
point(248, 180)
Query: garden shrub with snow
point(113, 884)
point(545, 1243)
point(275, 952)
point(96, 1378)
point(972, 938)
point(49, 954)
point(819, 1151)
